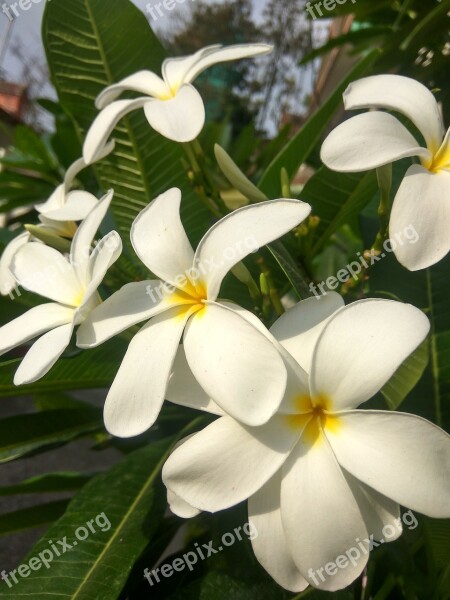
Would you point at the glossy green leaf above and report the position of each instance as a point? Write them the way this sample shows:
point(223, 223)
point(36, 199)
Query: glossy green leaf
point(29, 518)
point(131, 498)
point(86, 369)
point(48, 483)
point(25, 434)
point(406, 377)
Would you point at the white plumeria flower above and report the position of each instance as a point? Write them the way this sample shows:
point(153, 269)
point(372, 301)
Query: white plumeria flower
point(320, 476)
point(71, 283)
point(376, 138)
point(172, 105)
point(57, 215)
point(230, 358)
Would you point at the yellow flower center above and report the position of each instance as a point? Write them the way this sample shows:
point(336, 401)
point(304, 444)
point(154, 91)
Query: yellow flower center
point(314, 417)
point(440, 160)
point(190, 298)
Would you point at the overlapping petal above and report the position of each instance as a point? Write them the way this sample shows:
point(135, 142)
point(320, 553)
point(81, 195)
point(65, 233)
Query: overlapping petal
point(402, 456)
point(421, 206)
point(368, 141)
point(235, 364)
point(160, 241)
point(300, 327)
point(7, 280)
point(34, 322)
point(104, 124)
point(77, 206)
point(227, 462)
point(404, 95)
point(269, 542)
point(137, 393)
point(47, 272)
point(361, 348)
point(102, 258)
point(180, 118)
point(143, 82)
point(320, 515)
point(185, 390)
point(43, 354)
point(131, 305)
point(242, 232)
point(80, 250)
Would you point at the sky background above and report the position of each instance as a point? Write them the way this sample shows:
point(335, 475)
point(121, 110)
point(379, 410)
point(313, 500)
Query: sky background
point(26, 31)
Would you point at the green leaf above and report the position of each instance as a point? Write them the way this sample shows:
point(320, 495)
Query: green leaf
point(406, 377)
point(131, 498)
point(29, 518)
point(296, 277)
point(297, 151)
point(437, 532)
point(48, 483)
point(87, 369)
point(25, 434)
point(87, 51)
point(336, 198)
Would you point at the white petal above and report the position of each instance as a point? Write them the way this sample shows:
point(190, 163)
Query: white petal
point(368, 141)
point(160, 241)
point(381, 515)
point(404, 95)
point(80, 249)
point(235, 364)
point(298, 379)
point(242, 232)
point(103, 126)
point(421, 210)
point(43, 354)
point(46, 272)
point(143, 82)
point(320, 515)
point(181, 508)
point(174, 70)
point(361, 348)
point(7, 279)
point(55, 202)
point(404, 457)
point(299, 328)
point(34, 322)
point(105, 254)
point(132, 304)
point(269, 541)
point(137, 393)
point(77, 207)
point(180, 118)
point(227, 463)
point(184, 389)
point(208, 57)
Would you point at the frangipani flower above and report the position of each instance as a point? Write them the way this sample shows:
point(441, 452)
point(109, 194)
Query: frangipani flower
point(373, 139)
point(320, 476)
point(230, 357)
point(172, 105)
point(71, 283)
point(57, 215)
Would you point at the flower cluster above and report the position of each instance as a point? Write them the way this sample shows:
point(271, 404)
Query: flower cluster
point(318, 472)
